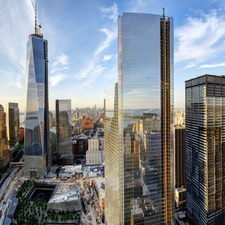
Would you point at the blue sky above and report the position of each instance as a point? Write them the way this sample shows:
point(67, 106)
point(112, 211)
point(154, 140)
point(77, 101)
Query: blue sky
point(82, 37)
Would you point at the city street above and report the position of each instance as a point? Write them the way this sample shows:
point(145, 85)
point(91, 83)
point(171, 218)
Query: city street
point(6, 191)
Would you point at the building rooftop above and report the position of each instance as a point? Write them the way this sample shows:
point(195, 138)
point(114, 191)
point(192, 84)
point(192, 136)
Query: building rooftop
point(65, 193)
point(13, 206)
point(7, 221)
point(180, 189)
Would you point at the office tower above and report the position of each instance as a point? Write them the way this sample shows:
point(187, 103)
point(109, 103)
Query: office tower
point(80, 145)
point(63, 132)
point(93, 155)
point(13, 124)
point(138, 160)
point(180, 166)
point(36, 143)
point(180, 156)
point(4, 155)
point(205, 159)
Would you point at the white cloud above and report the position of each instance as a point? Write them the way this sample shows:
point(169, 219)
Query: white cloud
point(59, 69)
point(107, 57)
point(17, 24)
point(61, 60)
point(111, 35)
point(19, 82)
point(200, 39)
point(93, 68)
point(190, 65)
point(54, 80)
point(212, 65)
point(137, 5)
point(93, 75)
point(111, 12)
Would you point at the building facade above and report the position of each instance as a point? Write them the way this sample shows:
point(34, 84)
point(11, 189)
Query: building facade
point(180, 156)
point(80, 145)
point(4, 155)
point(63, 131)
point(205, 158)
point(138, 124)
point(36, 139)
point(13, 124)
point(93, 155)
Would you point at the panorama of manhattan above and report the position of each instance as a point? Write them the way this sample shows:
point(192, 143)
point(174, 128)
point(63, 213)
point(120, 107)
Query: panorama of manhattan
point(136, 161)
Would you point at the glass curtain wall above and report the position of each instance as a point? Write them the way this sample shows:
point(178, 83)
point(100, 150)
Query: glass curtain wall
point(36, 118)
point(13, 124)
point(63, 129)
point(143, 134)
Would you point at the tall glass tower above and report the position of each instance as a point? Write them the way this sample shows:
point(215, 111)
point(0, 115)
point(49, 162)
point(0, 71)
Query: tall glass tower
point(139, 124)
point(4, 153)
point(205, 155)
point(63, 132)
point(36, 142)
point(13, 124)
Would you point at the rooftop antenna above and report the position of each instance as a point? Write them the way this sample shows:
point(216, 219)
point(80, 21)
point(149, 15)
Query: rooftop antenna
point(37, 27)
point(163, 13)
point(35, 11)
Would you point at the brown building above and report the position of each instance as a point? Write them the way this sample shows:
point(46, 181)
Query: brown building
point(87, 123)
point(21, 133)
point(4, 155)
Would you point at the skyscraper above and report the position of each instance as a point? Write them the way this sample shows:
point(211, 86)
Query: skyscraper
point(205, 158)
point(13, 124)
point(36, 143)
point(63, 132)
point(4, 155)
point(138, 123)
point(180, 156)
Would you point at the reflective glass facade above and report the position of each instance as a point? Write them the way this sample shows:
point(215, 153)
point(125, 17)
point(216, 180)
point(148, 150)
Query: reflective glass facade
point(205, 157)
point(138, 123)
point(4, 154)
point(13, 124)
point(63, 130)
point(36, 142)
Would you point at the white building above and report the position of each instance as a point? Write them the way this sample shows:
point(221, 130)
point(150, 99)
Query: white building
point(93, 155)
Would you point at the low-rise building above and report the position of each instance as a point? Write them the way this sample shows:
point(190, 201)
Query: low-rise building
point(12, 207)
point(64, 199)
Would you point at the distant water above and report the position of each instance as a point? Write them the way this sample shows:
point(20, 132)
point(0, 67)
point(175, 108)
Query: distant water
point(126, 122)
point(22, 118)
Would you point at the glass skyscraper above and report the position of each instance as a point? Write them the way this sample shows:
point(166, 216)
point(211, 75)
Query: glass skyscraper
point(205, 145)
point(139, 124)
point(13, 124)
point(63, 132)
point(36, 142)
point(4, 153)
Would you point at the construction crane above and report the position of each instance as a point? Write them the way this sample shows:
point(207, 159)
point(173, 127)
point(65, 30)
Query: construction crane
point(37, 27)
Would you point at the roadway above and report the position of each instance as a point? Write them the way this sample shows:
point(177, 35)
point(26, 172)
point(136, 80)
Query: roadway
point(6, 191)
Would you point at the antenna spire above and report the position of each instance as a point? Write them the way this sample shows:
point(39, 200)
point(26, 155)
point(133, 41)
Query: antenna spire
point(35, 11)
point(35, 26)
point(163, 13)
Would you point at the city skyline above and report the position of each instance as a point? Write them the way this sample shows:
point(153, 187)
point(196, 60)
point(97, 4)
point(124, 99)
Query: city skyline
point(83, 50)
